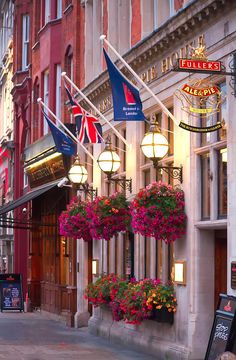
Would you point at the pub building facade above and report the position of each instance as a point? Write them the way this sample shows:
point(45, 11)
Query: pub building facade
point(209, 168)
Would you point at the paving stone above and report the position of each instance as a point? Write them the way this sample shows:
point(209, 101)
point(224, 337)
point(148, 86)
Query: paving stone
point(32, 336)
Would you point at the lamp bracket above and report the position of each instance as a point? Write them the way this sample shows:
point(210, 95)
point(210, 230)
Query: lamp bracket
point(87, 190)
point(173, 171)
point(125, 184)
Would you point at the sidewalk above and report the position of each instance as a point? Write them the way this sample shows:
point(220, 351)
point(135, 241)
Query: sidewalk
point(32, 336)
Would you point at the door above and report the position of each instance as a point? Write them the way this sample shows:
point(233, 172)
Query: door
point(220, 264)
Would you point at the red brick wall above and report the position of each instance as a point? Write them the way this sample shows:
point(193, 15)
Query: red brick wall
point(178, 4)
point(135, 22)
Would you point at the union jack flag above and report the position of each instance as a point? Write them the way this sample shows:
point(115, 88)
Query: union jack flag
point(88, 127)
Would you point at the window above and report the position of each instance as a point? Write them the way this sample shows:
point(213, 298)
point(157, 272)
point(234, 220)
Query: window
point(221, 116)
point(222, 183)
point(58, 91)
point(69, 62)
point(205, 172)
point(47, 13)
point(35, 120)
point(128, 241)
point(59, 9)
point(147, 256)
point(46, 99)
point(170, 136)
point(25, 41)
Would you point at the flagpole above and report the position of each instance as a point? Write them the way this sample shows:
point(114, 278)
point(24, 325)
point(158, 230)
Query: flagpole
point(164, 108)
point(39, 100)
point(63, 74)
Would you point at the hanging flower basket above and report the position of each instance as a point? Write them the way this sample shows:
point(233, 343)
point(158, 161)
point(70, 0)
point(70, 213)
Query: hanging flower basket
point(73, 221)
point(108, 216)
point(158, 211)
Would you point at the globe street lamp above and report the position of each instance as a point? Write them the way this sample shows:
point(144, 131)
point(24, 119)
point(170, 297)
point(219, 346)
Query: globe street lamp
point(78, 175)
point(109, 162)
point(155, 146)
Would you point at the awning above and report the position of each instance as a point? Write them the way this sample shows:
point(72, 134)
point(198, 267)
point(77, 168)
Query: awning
point(27, 197)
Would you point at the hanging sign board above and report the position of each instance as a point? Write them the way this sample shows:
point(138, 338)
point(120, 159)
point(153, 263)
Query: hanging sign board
point(11, 292)
point(223, 331)
point(201, 100)
point(199, 65)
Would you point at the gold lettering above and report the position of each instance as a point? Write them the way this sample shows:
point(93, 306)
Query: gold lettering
point(153, 72)
point(165, 65)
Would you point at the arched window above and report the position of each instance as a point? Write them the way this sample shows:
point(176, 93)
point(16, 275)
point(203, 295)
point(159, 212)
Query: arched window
point(69, 62)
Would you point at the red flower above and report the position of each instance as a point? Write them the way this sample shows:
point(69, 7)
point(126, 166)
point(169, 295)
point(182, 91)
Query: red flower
point(108, 216)
point(158, 211)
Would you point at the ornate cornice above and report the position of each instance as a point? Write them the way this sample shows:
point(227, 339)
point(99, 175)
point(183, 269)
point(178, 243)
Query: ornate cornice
point(184, 26)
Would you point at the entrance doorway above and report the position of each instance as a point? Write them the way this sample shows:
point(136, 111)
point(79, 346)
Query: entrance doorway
point(220, 263)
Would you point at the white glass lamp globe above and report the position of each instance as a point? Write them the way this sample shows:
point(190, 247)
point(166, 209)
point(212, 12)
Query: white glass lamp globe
point(109, 161)
point(77, 174)
point(154, 145)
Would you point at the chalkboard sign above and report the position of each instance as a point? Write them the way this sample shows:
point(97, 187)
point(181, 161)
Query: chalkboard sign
point(223, 330)
point(219, 336)
point(11, 292)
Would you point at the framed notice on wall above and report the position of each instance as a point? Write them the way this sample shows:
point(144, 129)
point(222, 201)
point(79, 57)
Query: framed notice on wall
point(11, 292)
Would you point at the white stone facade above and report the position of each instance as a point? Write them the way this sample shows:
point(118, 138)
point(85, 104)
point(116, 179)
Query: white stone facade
point(188, 337)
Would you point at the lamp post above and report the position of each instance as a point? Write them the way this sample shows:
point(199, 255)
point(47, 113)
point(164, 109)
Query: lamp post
point(78, 175)
point(155, 146)
point(109, 162)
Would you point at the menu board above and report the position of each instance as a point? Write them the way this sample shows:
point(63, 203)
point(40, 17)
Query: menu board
point(11, 292)
point(223, 334)
point(219, 336)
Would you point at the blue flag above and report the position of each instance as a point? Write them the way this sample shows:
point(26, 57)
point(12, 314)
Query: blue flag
point(126, 100)
point(64, 143)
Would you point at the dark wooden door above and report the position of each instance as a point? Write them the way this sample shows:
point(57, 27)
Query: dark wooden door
point(220, 264)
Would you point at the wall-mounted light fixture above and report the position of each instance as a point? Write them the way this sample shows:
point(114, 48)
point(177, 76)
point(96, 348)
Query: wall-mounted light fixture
point(95, 267)
point(78, 176)
point(109, 162)
point(180, 272)
point(155, 146)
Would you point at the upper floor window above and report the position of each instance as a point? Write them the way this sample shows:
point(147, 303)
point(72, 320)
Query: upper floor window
point(46, 98)
point(58, 90)
point(59, 9)
point(47, 11)
point(25, 41)
point(69, 62)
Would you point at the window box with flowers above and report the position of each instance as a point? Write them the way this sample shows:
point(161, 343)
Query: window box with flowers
point(158, 211)
point(73, 221)
point(133, 301)
point(108, 215)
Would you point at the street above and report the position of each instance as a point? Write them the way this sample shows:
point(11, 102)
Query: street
point(32, 336)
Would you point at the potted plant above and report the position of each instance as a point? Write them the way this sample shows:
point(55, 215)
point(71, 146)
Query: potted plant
point(162, 303)
point(73, 221)
point(108, 215)
point(158, 211)
point(133, 303)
